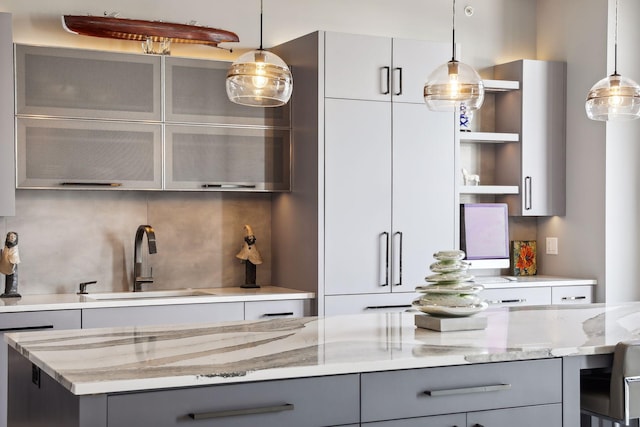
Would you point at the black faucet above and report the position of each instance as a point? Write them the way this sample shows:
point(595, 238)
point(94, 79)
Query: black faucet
point(138, 280)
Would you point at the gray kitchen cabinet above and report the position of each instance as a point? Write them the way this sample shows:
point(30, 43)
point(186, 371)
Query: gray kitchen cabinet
point(7, 164)
point(79, 83)
point(373, 171)
point(214, 158)
point(368, 303)
point(527, 416)
point(25, 322)
point(195, 93)
point(262, 310)
point(462, 389)
point(61, 153)
point(161, 314)
point(537, 113)
point(453, 420)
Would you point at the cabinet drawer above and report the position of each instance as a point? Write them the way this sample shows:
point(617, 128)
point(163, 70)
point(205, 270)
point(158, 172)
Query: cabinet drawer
point(83, 83)
point(446, 390)
point(517, 296)
point(89, 154)
point(572, 295)
point(528, 416)
point(453, 420)
point(355, 304)
point(257, 310)
point(305, 402)
point(218, 158)
point(161, 314)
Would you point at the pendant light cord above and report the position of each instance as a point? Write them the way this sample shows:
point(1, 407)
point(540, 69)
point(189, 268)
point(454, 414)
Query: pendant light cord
point(260, 25)
point(453, 35)
point(615, 45)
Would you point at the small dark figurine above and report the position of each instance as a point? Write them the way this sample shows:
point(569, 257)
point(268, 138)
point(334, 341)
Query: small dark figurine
point(251, 256)
point(9, 261)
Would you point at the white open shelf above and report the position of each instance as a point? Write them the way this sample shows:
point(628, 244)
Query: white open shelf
point(489, 189)
point(501, 85)
point(494, 137)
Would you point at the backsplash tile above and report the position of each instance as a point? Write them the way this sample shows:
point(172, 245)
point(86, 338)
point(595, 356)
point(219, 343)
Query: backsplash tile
point(68, 237)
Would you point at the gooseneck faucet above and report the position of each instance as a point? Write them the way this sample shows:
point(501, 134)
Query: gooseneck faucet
point(138, 280)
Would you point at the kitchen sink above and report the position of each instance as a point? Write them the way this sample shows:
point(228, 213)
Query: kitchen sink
point(149, 294)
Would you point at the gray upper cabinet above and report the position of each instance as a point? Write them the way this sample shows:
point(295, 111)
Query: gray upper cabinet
point(537, 113)
point(195, 93)
point(103, 120)
point(79, 83)
point(7, 156)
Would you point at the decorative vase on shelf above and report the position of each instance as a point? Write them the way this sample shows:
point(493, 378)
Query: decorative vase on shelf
point(466, 116)
point(450, 292)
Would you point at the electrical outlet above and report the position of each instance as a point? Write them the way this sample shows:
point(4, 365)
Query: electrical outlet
point(552, 246)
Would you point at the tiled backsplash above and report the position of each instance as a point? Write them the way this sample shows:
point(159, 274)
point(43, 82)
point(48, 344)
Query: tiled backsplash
point(68, 237)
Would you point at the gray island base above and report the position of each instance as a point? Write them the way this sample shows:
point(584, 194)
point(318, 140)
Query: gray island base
point(360, 370)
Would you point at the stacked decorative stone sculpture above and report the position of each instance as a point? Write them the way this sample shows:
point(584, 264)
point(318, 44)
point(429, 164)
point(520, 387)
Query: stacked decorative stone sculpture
point(450, 292)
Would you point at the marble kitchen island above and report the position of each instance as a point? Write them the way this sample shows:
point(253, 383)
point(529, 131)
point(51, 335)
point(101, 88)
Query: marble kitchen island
point(372, 370)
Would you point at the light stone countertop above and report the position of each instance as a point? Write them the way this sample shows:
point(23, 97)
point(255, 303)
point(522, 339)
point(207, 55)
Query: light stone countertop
point(156, 357)
point(212, 295)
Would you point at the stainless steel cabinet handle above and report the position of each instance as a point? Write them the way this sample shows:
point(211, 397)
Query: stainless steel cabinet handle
point(468, 390)
point(236, 412)
point(398, 80)
point(386, 259)
point(91, 184)
point(574, 298)
point(26, 328)
point(228, 186)
point(385, 76)
point(527, 193)
point(383, 307)
point(399, 233)
point(288, 313)
point(507, 301)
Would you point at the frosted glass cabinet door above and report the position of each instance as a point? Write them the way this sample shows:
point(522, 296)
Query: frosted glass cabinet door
point(195, 93)
point(82, 83)
point(357, 196)
point(219, 158)
point(423, 191)
point(92, 154)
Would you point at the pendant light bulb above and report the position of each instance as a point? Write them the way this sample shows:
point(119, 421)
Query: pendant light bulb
point(259, 78)
point(453, 84)
point(614, 98)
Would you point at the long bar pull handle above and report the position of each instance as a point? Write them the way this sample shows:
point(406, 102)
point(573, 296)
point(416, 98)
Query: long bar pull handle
point(385, 77)
point(386, 259)
point(468, 390)
point(383, 307)
point(237, 412)
point(576, 298)
point(507, 301)
point(527, 193)
point(397, 81)
point(399, 233)
point(26, 328)
point(287, 313)
point(91, 184)
point(228, 186)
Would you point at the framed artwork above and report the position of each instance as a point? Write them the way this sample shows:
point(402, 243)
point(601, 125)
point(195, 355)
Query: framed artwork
point(523, 258)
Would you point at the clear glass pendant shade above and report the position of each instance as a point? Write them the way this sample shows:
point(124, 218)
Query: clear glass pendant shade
point(259, 79)
point(614, 98)
point(452, 84)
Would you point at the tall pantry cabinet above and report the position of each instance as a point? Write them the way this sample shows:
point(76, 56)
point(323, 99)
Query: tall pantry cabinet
point(373, 172)
point(7, 156)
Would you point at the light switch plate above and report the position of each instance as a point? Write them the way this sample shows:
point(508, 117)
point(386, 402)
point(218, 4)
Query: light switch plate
point(552, 246)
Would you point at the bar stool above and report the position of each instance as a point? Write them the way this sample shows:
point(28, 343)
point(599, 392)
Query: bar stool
point(614, 396)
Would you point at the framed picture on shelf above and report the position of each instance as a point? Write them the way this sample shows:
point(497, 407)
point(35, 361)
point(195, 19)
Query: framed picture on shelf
point(523, 258)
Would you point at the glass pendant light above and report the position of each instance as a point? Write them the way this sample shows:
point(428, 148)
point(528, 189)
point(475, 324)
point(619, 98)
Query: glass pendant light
point(259, 78)
point(614, 98)
point(454, 83)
